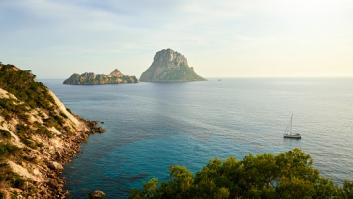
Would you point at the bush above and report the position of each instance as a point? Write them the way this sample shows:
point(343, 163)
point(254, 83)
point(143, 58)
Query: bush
point(22, 84)
point(10, 109)
point(16, 181)
point(54, 120)
point(23, 131)
point(287, 175)
point(69, 110)
point(63, 115)
point(44, 131)
point(6, 148)
point(5, 134)
point(28, 158)
point(30, 143)
point(347, 190)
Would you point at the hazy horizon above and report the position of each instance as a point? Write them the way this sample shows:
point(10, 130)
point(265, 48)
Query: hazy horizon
point(232, 38)
point(235, 77)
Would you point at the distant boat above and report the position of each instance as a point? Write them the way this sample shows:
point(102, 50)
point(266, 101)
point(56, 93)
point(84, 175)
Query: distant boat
point(289, 132)
point(219, 80)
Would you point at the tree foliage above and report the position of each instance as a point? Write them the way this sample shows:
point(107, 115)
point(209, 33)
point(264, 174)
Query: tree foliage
point(286, 175)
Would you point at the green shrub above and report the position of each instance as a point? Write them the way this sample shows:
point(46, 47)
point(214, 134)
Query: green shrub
point(63, 115)
point(6, 104)
point(58, 119)
point(14, 195)
point(5, 134)
point(23, 85)
point(23, 131)
point(287, 175)
point(54, 120)
point(16, 181)
point(69, 110)
point(6, 148)
point(30, 143)
point(44, 131)
point(10, 109)
point(40, 145)
point(347, 190)
point(3, 164)
point(28, 158)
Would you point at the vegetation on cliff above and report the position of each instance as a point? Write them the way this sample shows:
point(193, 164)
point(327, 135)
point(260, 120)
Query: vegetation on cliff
point(287, 175)
point(37, 136)
point(22, 85)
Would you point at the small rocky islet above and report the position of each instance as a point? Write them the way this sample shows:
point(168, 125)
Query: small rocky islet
point(90, 78)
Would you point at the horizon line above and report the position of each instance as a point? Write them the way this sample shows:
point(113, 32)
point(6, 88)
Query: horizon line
point(243, 77)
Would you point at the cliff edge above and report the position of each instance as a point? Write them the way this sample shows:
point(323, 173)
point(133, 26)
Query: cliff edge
point(38, 135)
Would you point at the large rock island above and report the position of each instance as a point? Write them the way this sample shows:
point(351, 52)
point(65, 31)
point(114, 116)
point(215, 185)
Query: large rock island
point(169, 66)
point(115, 77)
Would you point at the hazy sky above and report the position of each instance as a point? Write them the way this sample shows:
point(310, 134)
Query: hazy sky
point(55, 38)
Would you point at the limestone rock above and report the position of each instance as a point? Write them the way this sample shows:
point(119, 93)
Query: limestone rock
point(55, 166)
point(116, 73)
point(115, 77)
point(169, 65)
point(39, 135)
point(97, 194)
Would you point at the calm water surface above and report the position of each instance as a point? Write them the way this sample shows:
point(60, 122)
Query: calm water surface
point(151, 126)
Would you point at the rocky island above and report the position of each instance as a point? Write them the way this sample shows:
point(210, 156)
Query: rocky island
point(115, 77)
point(170, 66)
point(38, 135)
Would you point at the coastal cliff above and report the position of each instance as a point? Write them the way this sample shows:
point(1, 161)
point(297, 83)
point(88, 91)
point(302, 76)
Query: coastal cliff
point(38, 135)
point(169, 66)
point(115, 77)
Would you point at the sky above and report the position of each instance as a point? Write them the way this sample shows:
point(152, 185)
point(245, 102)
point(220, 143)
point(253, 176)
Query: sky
point(220, 38)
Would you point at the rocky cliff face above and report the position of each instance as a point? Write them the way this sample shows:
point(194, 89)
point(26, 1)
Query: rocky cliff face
point(38, 135)
point(115, 77)
point(169, 65)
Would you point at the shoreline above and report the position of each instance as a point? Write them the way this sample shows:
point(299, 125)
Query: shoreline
point(38, 136)
point(56, 183)
point(53, 184)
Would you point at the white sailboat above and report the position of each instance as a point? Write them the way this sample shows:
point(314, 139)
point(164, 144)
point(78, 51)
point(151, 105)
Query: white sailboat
point(289, 132)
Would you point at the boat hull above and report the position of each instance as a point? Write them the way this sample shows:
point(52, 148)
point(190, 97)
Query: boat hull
point(293, 136)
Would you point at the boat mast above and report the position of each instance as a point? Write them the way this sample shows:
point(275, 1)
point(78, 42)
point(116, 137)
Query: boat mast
point(291, 124)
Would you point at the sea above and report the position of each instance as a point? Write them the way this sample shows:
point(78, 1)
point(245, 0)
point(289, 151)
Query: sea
point(151, 126)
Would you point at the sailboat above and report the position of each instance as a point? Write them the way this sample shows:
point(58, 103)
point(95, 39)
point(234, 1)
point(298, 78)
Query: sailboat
point(289, 133)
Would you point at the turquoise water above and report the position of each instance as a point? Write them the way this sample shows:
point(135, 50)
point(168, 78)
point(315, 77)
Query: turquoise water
point(151, 126)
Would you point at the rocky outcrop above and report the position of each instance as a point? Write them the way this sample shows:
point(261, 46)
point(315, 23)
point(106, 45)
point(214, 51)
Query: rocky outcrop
point(97, 194)
point(55, 166)
point(169, 65)
point(115, 77)
point(38, 135)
